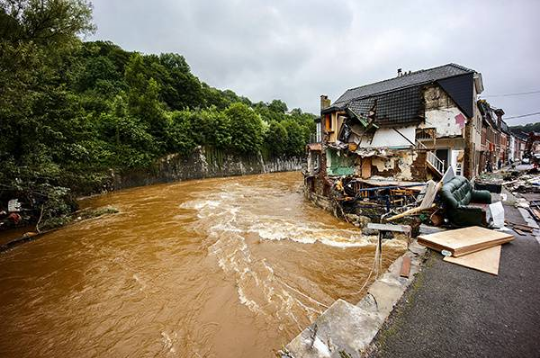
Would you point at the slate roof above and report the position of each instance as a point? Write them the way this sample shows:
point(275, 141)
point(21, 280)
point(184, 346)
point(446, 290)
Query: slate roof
point(407, 80)
point(403, 106)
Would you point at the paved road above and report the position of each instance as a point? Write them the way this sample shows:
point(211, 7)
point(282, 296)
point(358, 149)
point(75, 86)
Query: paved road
point(452, 311)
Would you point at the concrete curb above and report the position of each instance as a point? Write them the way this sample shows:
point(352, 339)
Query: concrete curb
point(345, 330)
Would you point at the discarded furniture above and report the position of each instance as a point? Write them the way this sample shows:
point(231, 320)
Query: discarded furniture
point(493, 186)
point(464, 205)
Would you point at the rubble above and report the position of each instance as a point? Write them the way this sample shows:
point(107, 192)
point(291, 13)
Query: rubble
point(525, 183)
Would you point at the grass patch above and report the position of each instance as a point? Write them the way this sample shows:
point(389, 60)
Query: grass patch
point(396, 321)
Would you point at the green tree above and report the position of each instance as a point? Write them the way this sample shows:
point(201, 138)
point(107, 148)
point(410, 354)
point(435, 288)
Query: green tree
point(213, 128)
point(276, 139)
point(278, 106)
point(143, 98)
point(43, 126)
point(54, 23)
point(180, 137)
point(180, 89)
point(246, 127)
point(295, 137)
point(98, 73)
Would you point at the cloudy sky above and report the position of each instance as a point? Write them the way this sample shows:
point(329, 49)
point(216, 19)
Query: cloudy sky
point(298, 50)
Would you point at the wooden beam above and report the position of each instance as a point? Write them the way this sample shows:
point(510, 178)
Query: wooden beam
point(405, 267)
point(409, 212)
point(406, 229)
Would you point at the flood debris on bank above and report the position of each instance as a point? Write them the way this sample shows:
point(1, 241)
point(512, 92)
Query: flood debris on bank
point(383, 150)
point(54, 223)
point(406, 154)
point(42, 205)
point(409, 151)
point(520, 188)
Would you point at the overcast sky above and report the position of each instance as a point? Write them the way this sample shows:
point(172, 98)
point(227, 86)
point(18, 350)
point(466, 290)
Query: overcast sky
point(298, 50)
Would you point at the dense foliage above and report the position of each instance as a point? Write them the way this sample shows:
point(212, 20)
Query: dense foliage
point(527, 128)
point(71, 110)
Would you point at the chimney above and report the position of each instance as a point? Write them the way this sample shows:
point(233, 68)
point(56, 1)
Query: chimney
point(325, 102)
point(399, 74)
point(500, 113)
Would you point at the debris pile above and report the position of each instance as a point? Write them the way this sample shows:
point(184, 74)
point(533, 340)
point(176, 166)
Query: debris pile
point(451, 202)
point(526, 183)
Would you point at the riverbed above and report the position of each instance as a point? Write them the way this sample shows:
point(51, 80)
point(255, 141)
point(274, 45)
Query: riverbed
point(228, 267)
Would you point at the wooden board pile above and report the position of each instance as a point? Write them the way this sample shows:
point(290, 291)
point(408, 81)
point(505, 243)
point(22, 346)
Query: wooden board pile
point(521, 229)
point(475, 247)
point(534, 208)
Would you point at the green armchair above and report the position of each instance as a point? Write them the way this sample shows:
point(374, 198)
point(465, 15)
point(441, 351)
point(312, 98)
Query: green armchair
point(464, 205)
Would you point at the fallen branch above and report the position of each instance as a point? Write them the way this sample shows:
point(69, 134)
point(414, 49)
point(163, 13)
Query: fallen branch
point(39, 220)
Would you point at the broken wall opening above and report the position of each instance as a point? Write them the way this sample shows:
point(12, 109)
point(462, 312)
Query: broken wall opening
point(339, 164)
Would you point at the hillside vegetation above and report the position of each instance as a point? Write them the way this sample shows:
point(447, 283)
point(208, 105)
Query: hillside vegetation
point(527, 128)
point(71, 110)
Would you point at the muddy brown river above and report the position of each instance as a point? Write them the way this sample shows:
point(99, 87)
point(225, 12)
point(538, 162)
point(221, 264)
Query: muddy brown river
point(229, 267)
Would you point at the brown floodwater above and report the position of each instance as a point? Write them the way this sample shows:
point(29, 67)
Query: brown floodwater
point(229, 267)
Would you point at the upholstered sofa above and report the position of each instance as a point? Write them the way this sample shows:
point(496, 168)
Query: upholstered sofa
point(464, 205)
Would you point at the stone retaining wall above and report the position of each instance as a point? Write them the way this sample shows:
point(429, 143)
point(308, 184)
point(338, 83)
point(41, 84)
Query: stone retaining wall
point(202, 163)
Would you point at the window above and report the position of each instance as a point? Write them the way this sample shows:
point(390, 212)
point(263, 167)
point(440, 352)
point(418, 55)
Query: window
point(328, 122)
point(426, 133)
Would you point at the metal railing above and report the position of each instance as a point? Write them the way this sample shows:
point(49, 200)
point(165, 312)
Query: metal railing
point(435, 162)
point(313, 138)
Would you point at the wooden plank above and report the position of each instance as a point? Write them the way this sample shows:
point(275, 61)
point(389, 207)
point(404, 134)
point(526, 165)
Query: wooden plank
point(430, 193)
point(409, 212)
point(387, 227)
point(375, 182)
point(366, 168)
point(469, 249)
point(465, 241)
point(486, 260)
point(521, 226)
point(405, 267)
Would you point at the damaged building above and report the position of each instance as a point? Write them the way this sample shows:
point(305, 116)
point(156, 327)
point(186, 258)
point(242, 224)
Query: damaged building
point(409, 128)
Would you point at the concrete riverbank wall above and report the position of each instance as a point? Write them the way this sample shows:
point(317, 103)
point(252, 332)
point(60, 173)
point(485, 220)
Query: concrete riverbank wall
point(346, 329)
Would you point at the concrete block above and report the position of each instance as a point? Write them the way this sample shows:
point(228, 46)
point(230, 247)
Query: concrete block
point(342, 328)
point(368, 304)
point(416, 248)
point(349, 329)
point(386, 295)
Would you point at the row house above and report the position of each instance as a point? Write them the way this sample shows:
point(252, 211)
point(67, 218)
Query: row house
point(499, 145)
point(520, 143)
point(410, 128)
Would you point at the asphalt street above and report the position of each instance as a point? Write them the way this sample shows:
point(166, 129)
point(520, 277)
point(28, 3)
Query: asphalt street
point(453, 311)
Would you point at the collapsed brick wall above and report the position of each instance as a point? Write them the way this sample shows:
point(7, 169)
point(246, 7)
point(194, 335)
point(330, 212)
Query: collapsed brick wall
point(418, 168)
point(407, 165)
